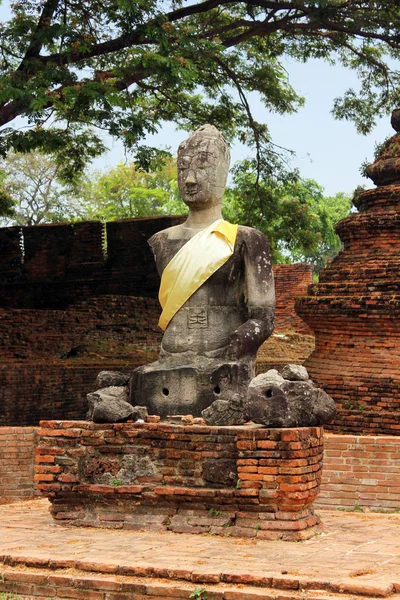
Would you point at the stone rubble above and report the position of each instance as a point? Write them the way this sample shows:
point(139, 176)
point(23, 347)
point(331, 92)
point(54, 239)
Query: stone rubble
point(288, 400)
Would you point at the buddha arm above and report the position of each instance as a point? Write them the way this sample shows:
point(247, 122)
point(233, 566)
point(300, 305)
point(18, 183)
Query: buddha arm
point(259, 297)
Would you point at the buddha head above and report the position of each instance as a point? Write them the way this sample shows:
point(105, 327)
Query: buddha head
point(203, 164)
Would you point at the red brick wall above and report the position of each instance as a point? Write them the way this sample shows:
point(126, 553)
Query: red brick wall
point(50, 358)
point(291, 281)
point(361, 471)
point(17, 452)
point(49, 266)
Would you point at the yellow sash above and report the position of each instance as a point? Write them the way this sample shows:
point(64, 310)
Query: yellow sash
point(195, 262)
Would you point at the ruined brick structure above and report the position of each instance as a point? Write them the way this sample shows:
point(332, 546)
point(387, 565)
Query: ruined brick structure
point(250, 482)
point(52, 266)
point(71, 305)
point(17, 449)
point(358, 470)
point(354, 310)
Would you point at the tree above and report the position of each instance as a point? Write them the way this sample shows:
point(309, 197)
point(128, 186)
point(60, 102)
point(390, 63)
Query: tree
point(329, 210)
point(124, 67)
point(6, 200)
point(31, 181)
point(298, 220)
point(126, 192)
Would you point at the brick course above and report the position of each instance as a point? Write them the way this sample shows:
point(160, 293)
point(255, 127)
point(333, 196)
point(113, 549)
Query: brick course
point(358, 470)
point(94, 581)
point(290, 281)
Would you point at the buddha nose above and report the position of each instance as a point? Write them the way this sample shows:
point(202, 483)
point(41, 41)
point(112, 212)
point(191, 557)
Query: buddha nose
point(191, 178)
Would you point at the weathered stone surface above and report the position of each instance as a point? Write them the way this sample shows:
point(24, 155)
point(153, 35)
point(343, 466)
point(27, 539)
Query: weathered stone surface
point(210, 344)
point(109, 405)
point(269, 377)
point(324, 407)
point(225, 412)
point(277, 402)
point(295, 373)
point(112, 411)
point(270, 407)
point(189, 389)
point(221, 471)
point(139, 412)
point(111, 378)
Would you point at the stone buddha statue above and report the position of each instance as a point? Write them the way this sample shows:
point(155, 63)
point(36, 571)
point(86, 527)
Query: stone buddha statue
point(217, 293)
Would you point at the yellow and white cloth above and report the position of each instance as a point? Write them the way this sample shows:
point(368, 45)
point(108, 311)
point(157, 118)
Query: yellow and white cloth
point(195, 262)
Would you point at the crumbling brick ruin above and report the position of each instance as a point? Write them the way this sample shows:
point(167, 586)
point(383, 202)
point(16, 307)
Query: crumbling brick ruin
point(72, 305)
point(354, 310)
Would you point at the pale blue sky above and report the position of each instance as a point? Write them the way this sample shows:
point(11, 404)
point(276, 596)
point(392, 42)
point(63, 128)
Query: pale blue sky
point(327, 150)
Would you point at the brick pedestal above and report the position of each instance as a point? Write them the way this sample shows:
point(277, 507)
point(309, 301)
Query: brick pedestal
point(231, 481)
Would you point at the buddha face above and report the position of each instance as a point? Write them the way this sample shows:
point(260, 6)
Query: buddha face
point(203, 163)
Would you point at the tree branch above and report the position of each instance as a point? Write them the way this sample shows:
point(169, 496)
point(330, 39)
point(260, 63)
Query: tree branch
point(133, 38)
point(11, 110)
point(43, 23)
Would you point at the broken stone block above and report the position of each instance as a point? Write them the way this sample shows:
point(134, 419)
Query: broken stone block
point(270, 377)
point(277, 402)
point(225, 412)
point(111, 378)
point(109, 405)
point(295, 373)
point(139, 412)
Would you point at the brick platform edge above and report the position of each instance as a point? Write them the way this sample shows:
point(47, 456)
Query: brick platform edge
point(85, 580)
point(17, 449)
point(230, 481)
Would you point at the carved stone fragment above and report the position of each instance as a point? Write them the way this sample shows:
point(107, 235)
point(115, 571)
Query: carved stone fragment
point(277, 402)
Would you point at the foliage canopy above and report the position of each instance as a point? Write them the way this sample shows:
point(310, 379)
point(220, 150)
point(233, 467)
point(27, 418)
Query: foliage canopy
point(36, 194)
point(297, 218)
point(126, 192)
point(124, 67)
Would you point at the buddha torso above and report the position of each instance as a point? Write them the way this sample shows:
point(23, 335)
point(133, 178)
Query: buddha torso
point(205, 323)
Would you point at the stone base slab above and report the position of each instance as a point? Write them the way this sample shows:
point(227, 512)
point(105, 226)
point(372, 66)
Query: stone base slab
point(230, 481)
point(103, 582)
